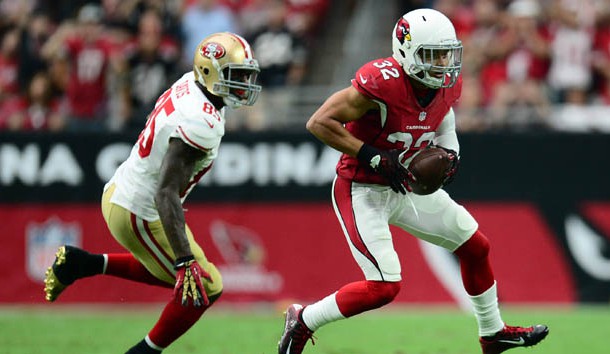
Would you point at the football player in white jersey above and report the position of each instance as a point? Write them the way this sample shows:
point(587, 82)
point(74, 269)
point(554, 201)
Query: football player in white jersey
point(142, 202)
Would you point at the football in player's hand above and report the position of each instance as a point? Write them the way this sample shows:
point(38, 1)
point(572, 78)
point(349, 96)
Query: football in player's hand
point(429, 167)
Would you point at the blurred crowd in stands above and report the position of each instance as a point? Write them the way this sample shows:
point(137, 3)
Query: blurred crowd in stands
point(100, 65)
point(533, 63)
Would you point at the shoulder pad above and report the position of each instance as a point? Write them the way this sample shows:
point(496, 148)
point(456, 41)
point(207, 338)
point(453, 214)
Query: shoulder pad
point(378, 77)
point(200, 132)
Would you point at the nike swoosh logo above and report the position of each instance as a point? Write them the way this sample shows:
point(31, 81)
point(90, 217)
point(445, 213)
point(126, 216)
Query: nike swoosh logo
point(521, 341)
point(363, 80)
point(209, 124)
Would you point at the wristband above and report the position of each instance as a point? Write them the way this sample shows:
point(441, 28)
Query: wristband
point(182, 260)
point(367, 153)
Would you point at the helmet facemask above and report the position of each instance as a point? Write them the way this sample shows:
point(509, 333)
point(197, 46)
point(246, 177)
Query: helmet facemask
point(437, 66)
point(237, 84)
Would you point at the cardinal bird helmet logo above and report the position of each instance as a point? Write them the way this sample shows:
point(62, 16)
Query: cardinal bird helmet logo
point(403, 31)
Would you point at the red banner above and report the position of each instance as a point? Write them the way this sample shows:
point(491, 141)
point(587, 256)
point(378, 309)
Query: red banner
point(286, 251)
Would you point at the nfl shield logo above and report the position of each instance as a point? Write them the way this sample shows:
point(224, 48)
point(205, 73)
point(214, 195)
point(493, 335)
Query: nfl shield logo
point(422, 116)
point(42, 243)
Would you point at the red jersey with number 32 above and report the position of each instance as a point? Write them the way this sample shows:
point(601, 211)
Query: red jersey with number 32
point(400, 123)
point(183, 112)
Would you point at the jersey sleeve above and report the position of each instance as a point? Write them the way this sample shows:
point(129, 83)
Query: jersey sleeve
point(371, 82)
point(197, 133)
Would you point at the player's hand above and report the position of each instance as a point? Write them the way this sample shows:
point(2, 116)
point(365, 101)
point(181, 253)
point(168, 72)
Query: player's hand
point(188, 282)
point(453, 168)
point(387, 164)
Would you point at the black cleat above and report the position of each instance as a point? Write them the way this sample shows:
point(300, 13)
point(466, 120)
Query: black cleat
point(296, 334)
point(513, 337)
point(65, 270)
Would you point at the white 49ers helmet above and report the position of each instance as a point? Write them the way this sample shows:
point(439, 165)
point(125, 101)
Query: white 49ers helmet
point(425, 45)
point(224, 65)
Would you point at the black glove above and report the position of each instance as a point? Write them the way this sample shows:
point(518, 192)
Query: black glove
point(385, 162)
point(453, 168)
point(189, 283)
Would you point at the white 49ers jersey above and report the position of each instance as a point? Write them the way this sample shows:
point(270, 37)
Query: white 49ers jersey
point(183, 112)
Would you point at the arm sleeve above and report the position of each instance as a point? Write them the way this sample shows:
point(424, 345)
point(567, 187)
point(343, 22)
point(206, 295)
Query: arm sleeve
point(445, 134)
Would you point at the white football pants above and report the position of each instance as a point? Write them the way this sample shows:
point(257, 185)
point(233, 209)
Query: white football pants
point(366, 211)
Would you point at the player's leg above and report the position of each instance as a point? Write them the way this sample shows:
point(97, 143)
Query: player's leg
point(458, 232)
point(150, 261)
point(72, 263)
point(477, 275)
point(438, 219)
point(362, 211)
point(149, 245)
point(147, 261)
point(176, 319)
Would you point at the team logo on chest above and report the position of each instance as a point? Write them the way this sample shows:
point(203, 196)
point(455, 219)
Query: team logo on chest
point(422, 116)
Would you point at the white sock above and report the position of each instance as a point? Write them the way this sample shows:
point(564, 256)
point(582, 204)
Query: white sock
point(152, 345)
point(322, 312)
point(105, 263)
point(487, 312)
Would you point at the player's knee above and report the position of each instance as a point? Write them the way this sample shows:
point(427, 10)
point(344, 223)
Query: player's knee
point(389, 264)
point(477, 247)
point(384, 292)
point(214, 298)
point(215, 287)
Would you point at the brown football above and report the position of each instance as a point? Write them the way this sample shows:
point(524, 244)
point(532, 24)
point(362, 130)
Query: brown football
point(429, 167)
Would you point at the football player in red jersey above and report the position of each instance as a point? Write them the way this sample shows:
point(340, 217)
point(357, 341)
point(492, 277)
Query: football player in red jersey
point(395, 107)
point(142, 202)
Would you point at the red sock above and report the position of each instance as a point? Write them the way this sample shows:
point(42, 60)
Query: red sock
point(360, 296)
point(126, 266)
point(175, 320)
point(477, 274)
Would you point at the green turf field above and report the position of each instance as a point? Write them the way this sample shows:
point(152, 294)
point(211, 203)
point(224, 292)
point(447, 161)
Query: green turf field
point(393, 330)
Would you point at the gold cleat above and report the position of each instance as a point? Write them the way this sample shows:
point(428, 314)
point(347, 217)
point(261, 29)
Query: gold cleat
point(52, 286)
